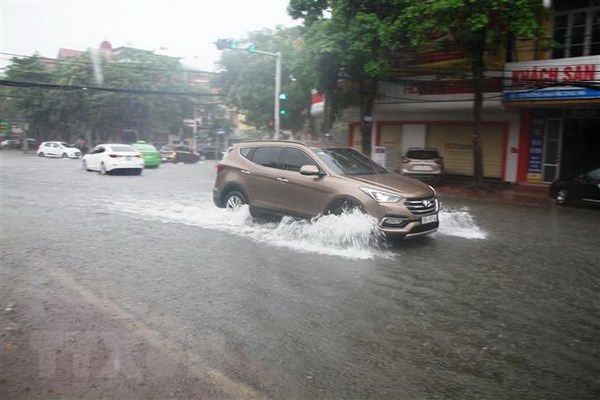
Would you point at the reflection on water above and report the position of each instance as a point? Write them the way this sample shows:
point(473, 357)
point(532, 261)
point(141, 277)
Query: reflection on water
point(351, 235)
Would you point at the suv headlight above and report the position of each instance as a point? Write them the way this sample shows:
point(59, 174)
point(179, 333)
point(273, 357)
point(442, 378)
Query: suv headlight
point(381, 196)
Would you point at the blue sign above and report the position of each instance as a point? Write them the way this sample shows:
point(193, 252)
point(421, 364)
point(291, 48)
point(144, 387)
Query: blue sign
point(567, 93)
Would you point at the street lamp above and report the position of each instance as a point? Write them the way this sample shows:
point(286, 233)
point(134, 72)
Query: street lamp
point(223, 44)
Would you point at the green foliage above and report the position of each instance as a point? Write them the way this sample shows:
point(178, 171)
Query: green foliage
point(469, 21)
point(478, 28)
point(65, 114)
point(248, 79)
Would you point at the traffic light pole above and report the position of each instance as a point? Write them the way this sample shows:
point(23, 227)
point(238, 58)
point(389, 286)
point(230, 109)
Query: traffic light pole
point(277, 116)
point(277, 94)
point(223, 44)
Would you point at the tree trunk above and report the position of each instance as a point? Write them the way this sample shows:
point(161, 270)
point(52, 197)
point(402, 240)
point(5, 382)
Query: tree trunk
point(368, 90)
point(478, 69)
point(328, 107)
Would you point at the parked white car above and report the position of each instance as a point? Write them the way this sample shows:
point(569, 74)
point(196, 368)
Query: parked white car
point(106, 158)
point(58, 149)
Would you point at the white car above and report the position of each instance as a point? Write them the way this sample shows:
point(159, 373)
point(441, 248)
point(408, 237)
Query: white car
point(58, 149)
point(106, 158)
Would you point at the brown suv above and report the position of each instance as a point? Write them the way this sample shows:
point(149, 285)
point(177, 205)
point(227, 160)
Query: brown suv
point(309, 179)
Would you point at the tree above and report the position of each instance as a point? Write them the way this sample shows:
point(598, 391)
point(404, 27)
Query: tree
point(248, 79)
point(34, 105)
point(71, 105)
point(349, 34)
point(478, 27)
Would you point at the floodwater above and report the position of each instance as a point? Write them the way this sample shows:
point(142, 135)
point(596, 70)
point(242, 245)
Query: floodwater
point(501, 303)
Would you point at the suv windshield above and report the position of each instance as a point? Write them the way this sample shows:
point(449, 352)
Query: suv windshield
point(349, 162)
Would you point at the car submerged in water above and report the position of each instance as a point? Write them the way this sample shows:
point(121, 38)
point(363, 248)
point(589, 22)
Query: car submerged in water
point(309, 179)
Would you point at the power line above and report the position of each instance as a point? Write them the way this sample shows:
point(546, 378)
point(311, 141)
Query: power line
point(123, 65)
point(52, 86)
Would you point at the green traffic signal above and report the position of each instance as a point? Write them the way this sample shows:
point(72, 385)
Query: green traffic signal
point(224, 44)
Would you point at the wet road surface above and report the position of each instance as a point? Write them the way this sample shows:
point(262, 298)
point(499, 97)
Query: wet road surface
point(138, 287)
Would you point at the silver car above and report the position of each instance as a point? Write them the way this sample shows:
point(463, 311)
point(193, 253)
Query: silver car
point(423, 164)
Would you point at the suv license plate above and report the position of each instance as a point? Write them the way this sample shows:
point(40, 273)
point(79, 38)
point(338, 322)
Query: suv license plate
point(429, 219)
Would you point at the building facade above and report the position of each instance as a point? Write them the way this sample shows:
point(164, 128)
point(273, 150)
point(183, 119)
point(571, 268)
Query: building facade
point(558, 98)
point(540, 117)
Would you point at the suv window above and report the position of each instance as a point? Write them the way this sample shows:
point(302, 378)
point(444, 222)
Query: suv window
point(422, 154)
point(293, 159)
point(247, 152)
point(267, 156)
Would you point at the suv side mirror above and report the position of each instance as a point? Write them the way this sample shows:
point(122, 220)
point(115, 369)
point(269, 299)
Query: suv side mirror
point(310, 170)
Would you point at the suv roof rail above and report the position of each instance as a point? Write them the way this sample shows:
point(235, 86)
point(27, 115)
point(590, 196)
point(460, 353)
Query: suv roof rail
point(306, 143)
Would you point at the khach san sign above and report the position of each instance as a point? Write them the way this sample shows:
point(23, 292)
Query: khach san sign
point(566, 79)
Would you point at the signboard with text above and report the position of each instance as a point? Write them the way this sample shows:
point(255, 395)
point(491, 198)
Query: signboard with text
point(561, 79)
point(536, 151)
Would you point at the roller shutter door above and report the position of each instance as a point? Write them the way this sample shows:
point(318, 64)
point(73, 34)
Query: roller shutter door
point(454, 143)
point(391, 137)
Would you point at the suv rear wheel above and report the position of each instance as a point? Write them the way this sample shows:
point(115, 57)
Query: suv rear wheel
point(234, 200)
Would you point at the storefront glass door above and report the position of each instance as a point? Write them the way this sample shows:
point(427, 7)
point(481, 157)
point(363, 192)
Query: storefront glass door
point(552, 149)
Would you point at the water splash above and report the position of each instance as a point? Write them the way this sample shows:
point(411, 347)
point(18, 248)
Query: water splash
point(351, 235)
point(459, 223)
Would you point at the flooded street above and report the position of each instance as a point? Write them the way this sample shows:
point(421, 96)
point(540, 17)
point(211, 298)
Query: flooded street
point(139, 287)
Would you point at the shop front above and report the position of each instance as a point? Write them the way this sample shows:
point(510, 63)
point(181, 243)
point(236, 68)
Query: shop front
point(452, 139)
point(559, 103)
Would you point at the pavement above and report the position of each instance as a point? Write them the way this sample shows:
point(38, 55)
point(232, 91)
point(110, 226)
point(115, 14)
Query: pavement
point(515, 193)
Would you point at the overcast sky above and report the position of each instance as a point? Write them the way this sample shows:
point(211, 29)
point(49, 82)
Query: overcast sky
point(182, 28)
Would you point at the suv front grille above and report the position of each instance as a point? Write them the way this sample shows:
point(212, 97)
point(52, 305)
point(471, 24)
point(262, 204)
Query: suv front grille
point(422, 206)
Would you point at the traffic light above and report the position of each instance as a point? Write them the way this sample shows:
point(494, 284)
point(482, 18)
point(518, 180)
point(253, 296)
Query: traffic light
point(223, 44)
point(282, 110)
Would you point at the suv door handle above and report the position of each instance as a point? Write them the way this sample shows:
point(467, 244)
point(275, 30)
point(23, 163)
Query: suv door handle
point(245, 171)
point(282, 180)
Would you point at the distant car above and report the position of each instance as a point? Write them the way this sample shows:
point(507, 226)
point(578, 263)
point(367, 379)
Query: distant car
point(584, 188)
point(152, 158)
point(179, 153)
point(423, 164)
point(10, 144)
point(107, 158)
point(58, 149)
point(165, 151)
point(31, 143)
point(209, 153)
